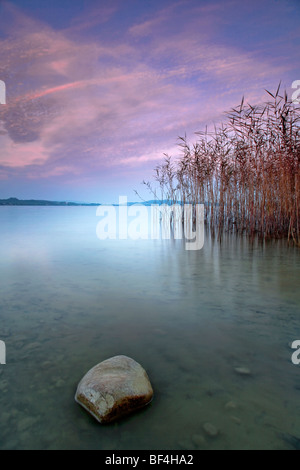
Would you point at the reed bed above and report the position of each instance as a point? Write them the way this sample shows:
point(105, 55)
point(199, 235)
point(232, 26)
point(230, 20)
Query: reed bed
point(245, 172)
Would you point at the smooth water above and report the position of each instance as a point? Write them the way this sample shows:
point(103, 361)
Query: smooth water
point(69, 301)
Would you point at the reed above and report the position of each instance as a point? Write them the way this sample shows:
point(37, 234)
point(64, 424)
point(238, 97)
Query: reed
point(246, 172)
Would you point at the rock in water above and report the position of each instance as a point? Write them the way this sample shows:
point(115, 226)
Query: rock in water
point(243, 371)
point(114, 388)
point(210, 430)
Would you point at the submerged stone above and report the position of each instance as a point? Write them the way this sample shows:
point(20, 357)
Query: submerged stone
point(243, 371)
point(199, 440)
point(236, 420)
point(114, 388)
point(231, 405)
point(210, 430)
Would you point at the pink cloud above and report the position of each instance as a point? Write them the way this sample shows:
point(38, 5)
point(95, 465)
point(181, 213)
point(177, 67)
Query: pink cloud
point(22, 155)
point(154, 156)
point(49, 91)
point(91, 17)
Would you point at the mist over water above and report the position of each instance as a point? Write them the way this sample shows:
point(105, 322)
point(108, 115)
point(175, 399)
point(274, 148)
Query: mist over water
point(191, 318)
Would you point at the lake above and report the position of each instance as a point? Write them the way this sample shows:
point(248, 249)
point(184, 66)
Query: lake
point(191, 318)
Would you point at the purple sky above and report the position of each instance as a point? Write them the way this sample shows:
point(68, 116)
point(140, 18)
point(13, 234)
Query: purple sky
point(98, 91)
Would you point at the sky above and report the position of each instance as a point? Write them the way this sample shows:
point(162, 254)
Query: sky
point(98, 91)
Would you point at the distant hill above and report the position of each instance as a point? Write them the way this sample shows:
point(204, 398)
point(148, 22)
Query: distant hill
point(13, 201)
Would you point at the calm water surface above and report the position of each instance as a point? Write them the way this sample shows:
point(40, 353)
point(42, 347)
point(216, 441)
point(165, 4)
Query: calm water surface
point(69, 301)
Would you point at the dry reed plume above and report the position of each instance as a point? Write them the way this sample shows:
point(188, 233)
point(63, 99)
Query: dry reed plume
point(246, 172)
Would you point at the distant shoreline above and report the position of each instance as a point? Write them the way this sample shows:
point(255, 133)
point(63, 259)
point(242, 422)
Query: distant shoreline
point(13, 201)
